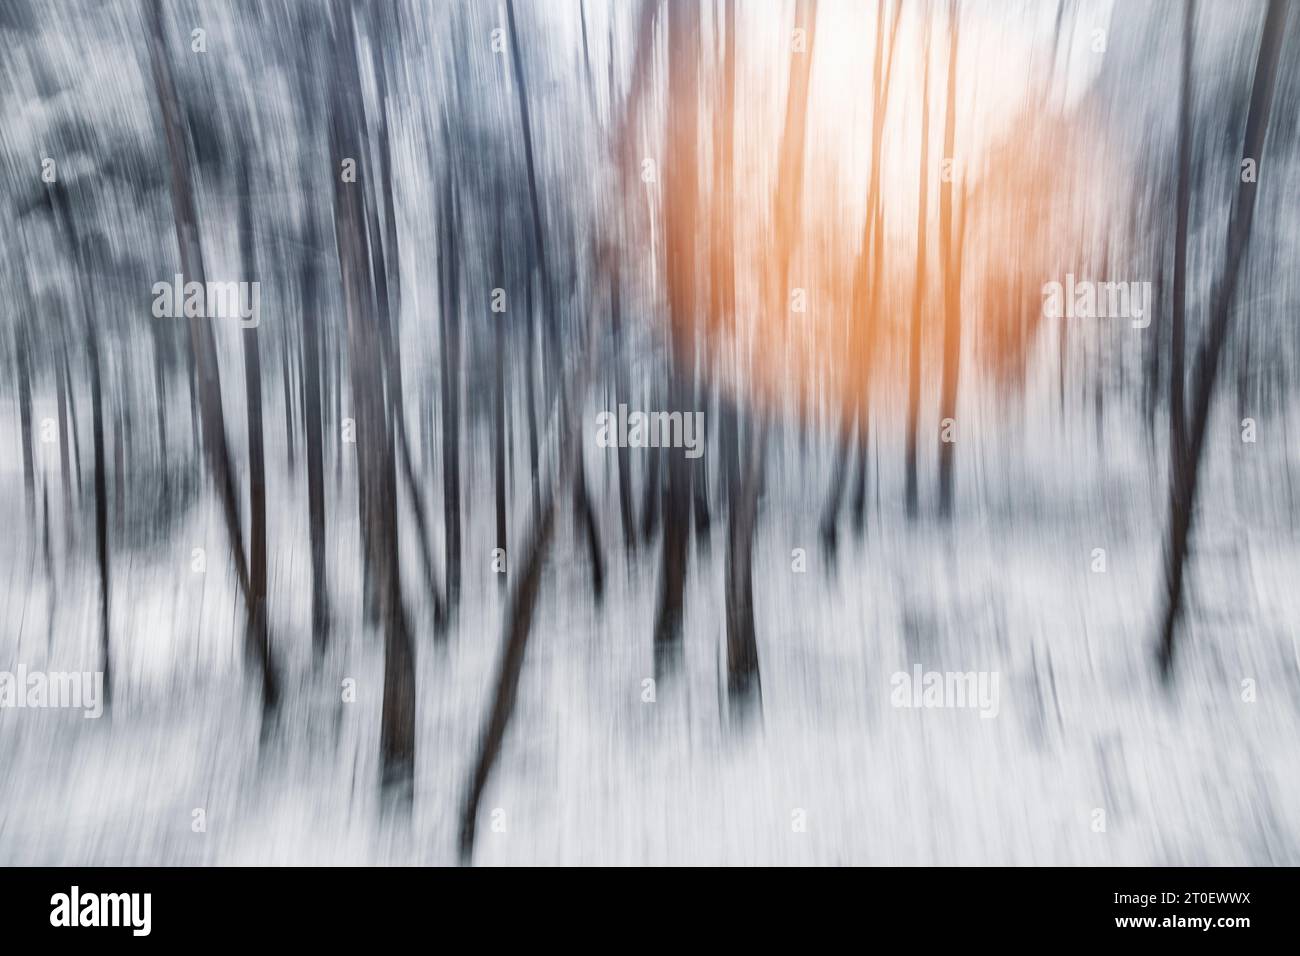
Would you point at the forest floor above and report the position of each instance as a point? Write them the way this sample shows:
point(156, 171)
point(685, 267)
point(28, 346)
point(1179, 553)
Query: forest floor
point(591, 772)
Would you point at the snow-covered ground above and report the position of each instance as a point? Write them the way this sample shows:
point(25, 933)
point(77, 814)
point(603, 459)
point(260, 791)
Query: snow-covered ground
point(591, 773)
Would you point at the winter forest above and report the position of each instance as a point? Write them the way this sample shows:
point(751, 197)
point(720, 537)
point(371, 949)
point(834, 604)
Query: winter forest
point(532, 432)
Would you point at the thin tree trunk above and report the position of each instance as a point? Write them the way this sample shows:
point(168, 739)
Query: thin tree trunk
point(679, 227)
point(550, 352)
point(918, 294)
point(1178, 318)
point(622, 393)
point(499, 445)
point(744, 685)
point(286, 383)
point(101, 503)
point(523, 590)
point(73, 427)
point(260, 636)
point(160, 397)
point(723, 285)
point(499, 407)
point(376, 454)
point(313, 439)
point(81, 260)
point(23, 361)
point(743, 681)
point(203, 345)
point(1185, 477)
point(856, 412)
point(450, 282)
point(65, 464)
point(385, 276)
point(951, 282)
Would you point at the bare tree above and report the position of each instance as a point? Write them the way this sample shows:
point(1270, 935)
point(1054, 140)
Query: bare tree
point(1178, 317)
point(81, 255)
point(256, 452)
point(202, 343)
point(376, 459)
point(743, 682)
point(524, 586)
point(919, 289)
point(1184, 478)
point(951, 277)
point(867, 295)
point(680, 206)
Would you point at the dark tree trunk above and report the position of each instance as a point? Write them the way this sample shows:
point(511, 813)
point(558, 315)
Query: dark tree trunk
point(679, 228)
point(22, 359)
point(450, 283)
point(203, 346)
point(73, 428)
point(550, 352)
point(621, 392)
point(64, 436)
point(385, 277)
point(743, 683)
point(81, 260)
point(744, 687)
point(313, 440)
point(523, 590)
point(160, 353)
point(101, 502)
point(827, 530)
point(286, 383)
point(951, 282)
point(376, 458)
point(589, 530)
point(260, 636)
point(1178, 317)
point(499, 411)
point(1185, 477)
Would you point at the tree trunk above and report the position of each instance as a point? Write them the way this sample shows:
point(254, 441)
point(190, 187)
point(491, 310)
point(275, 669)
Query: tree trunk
point(499, 411)
point(260, 637)
point(203, 345)
point(313, 439)
point(523, 590)
point(679, 228)
point(951, 282)
point(22, 359)
point(856, 412)
point(1185, 477)
point(918, 294)
point(622, 392)
point(450, 283)
point(64, 436)
point(744, 686)
point(101, 502)
point(376, 459)
point(1178, 317)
